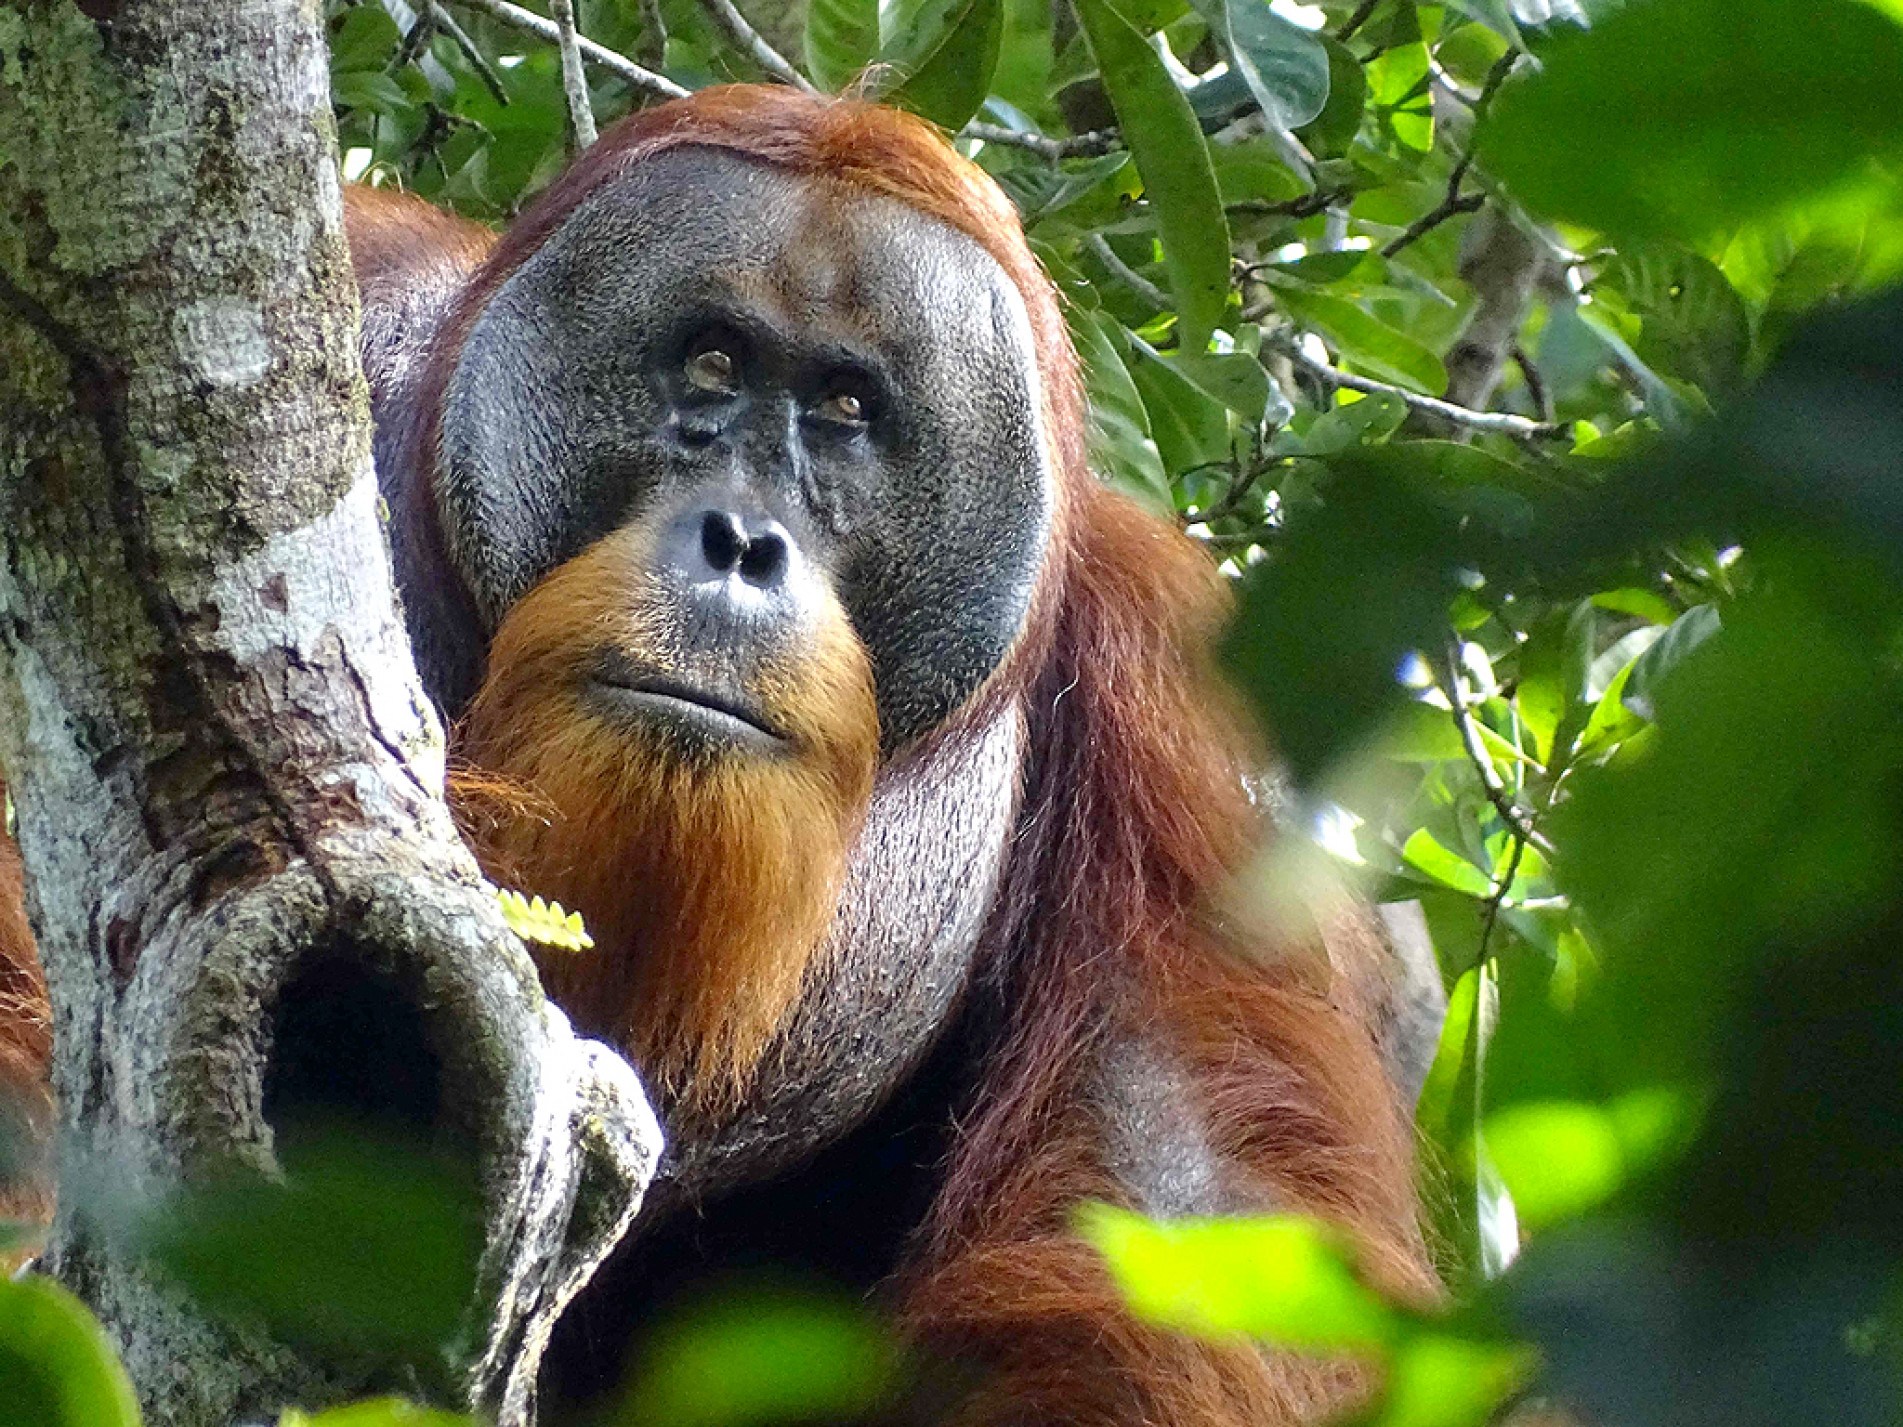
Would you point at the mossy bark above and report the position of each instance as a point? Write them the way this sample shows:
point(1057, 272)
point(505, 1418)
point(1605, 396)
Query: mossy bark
point(222, 762)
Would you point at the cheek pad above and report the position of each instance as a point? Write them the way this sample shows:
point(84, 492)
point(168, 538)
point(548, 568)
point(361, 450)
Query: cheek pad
point(942, 586)
point(504, 433)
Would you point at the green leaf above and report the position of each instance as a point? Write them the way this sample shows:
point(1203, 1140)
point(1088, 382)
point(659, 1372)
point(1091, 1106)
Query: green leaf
point(1726, 110)
point(947, 55)
point(755, 1358)
point(1686, 633)
point(1173, 158)
point(1443, 1109)
point(57, 1367)
point(840, 40)
point(1640, 603)
point(1254, 171)
point(1045, 191)
point(1420, 733)
point(1558, 1158)
point(1397, 82)
point(1121, 450)
point(366, 38)
point(1284, 1279)
point(1693, 325)
point(1555, 666)
point(1352, 424)
point(1332, 131)
point(372, 89)
point(1497, 15)
point(1358, 581)
point(1611, 722)
point(1235, 379)
point(1285, 66)
point(1762, 808)
point(1190, 424)
point(1368, 342)
point(377, 1412)
point(1423, 851)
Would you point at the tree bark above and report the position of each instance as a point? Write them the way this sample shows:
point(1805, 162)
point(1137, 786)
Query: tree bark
point(225, 771)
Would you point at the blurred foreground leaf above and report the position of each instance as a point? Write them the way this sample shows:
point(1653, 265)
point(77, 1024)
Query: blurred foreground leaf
point(57, 1367)
point(378, 1412)
point(1726, 109)
point(368, 1251)
point(747, 1358)
point(1284, 1279)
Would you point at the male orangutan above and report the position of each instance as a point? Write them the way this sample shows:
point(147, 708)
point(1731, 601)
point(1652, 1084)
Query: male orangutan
point(740, 506)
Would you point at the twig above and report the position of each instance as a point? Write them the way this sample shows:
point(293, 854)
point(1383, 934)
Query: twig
point(581, 114)
point(447, 24)
point(1240, 484)
point(723, 14)
point(426, 21)
point(1449, 86)
point(1354, 22)
point(1455, 202)
point(1145, 290)
point(1498, 423)
point(1496, 901)
point(1263, 535)
point(1306, 206)
point(1517, 819)
point(619, 65)
point(1535, 383)
point(1448, 207)
point(1076, 146)
point(421, 28)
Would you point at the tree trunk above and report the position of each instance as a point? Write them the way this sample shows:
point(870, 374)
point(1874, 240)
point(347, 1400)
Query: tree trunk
point(226, 775)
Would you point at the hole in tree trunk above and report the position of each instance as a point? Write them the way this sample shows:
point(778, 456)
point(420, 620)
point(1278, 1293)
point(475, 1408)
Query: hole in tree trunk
point(349, 1044)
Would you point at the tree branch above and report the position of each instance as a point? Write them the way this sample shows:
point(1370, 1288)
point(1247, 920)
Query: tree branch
point(1499, 423)
point(1145, 290)
point(1518, 820)
point(419, 24)
point(581, 114)
point(620, 66)
point(1241, 482)
point(1450, 206)
point(471, 51)
point(1090, 145)
point(1535, 382)
point(1363, 12)
point(1306, 206)
point(1455, 202)
point(729, 19)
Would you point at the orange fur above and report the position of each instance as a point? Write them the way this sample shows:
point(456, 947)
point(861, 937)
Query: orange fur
point(399, 243)
point(26, 1047)
point(1113, 922)
point(708, 881)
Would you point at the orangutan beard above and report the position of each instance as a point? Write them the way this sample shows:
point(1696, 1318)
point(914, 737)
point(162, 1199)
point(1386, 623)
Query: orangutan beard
point(707, 876)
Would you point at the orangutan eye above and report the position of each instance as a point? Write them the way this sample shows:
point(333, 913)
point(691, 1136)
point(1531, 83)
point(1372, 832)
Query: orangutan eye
point(844, 406)
point(711, 367)
point(847, 402)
